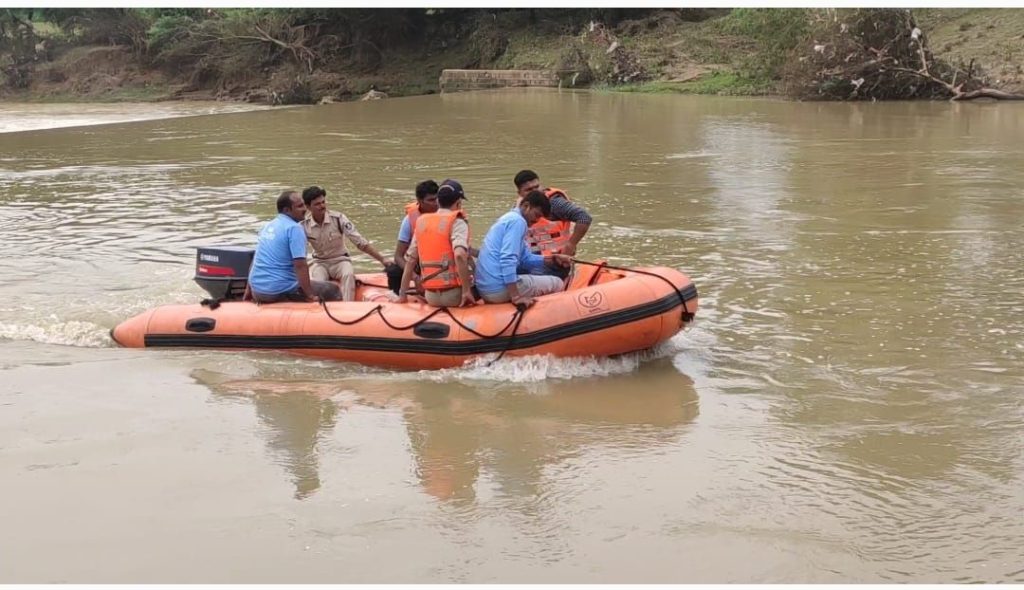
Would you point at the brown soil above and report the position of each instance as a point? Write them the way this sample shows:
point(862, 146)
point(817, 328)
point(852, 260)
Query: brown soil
point(992, 37)
point(98, 73)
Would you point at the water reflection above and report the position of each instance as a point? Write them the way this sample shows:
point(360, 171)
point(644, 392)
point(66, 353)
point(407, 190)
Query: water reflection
point(295, 416)
point(458, 434)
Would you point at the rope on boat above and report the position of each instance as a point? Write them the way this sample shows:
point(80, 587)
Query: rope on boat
point(212, 302)
point(687, 314)
point(517, 318)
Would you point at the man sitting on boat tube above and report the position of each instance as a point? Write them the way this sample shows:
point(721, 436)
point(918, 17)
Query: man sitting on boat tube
point(506, 269)
point(559, 231)
point(440, 246)
point(326, 232)
point(425, 203)
point(279, 271)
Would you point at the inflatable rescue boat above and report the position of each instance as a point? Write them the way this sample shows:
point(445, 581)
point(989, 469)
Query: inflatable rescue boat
point(603, 311)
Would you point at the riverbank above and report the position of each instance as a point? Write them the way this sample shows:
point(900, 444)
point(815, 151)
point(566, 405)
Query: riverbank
point(992, 39)
point(715, 51)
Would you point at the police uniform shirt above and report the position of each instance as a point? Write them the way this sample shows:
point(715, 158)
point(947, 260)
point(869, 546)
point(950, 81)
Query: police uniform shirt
point(328, 238)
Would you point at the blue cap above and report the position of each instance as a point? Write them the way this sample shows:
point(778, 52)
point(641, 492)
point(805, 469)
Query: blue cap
point(450, 185)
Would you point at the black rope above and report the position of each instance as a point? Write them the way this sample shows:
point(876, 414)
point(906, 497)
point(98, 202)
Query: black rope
point(378, 310)
point(687, 315)
point(410, 326)
point(366, 284)
point(599, 266)
point(212, 302)
point(516, 318)
point(520, 312)
point(343, 322)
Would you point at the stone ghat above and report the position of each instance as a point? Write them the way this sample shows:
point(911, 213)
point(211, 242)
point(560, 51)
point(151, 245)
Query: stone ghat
point(456, 80)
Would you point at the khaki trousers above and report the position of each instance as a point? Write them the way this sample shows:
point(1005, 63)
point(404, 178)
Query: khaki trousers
point(338, 269)
point(447, 298)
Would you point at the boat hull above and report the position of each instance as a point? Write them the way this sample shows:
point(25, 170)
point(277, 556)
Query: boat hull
point(620, 313)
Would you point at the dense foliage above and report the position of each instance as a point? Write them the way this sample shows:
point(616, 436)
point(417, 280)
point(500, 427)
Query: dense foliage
point(810, 53)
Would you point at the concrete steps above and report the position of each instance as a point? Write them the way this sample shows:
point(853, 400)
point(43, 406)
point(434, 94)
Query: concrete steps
point(457, 80)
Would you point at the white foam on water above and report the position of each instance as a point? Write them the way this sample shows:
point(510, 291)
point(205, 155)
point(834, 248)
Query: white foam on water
point(17, 117)
point(93, 316)
point(135, 303)
point(688, 155)
point(72, 333)
point(536, 368)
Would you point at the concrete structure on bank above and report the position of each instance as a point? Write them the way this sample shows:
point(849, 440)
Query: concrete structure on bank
point(456, 80)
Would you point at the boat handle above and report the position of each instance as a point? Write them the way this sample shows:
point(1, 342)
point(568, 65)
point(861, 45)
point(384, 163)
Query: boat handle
point(200, 324)
point(432, 330)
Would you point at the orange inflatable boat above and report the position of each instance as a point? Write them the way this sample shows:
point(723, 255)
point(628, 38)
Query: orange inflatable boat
point(604, 311)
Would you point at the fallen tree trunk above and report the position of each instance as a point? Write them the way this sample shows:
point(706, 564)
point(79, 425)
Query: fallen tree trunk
point(987, 93)
point(879, 54)
point(957, 92)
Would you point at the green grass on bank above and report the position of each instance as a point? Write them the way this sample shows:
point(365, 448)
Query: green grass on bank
point(719, 83)
point(147, 94)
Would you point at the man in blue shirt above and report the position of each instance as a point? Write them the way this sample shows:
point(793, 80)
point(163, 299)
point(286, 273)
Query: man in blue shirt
point(426, 202)
point(505, 262)
point(279, 271)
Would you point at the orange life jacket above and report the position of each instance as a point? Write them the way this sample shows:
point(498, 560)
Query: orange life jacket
point(433, 237)
point(546, 236)
point(412, 211)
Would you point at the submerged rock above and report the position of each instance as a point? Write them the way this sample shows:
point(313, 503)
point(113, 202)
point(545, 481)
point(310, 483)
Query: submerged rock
point(374, 94)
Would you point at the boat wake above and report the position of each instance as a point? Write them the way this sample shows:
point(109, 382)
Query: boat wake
point(36, 323)
point(536, 368)
point(71, 333)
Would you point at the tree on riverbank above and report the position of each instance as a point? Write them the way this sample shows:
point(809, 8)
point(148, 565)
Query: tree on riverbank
point(17, 47)
point(877, 54)
point(302, 55)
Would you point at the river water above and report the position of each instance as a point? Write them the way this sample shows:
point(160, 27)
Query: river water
point(846, 408)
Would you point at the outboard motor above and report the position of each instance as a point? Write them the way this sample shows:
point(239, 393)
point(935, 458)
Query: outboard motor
point(223, 271)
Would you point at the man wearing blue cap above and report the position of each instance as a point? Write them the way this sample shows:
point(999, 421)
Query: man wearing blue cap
point(440, 246)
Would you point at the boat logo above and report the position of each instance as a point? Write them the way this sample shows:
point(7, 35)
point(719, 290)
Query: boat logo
point(591, 302)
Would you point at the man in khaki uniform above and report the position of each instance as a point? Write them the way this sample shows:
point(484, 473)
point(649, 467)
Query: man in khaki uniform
point(326, 232)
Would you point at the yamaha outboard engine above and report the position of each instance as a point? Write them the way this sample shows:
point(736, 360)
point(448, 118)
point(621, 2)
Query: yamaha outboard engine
point(223, 271)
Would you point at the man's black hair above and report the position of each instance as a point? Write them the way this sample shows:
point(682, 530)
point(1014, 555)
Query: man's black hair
point(284, 201)
point(312, 193)
point(524, 176)
point(427, 187)
point(538, 199)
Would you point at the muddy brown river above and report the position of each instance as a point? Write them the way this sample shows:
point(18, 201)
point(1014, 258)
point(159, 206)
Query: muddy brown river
point(848, 406)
